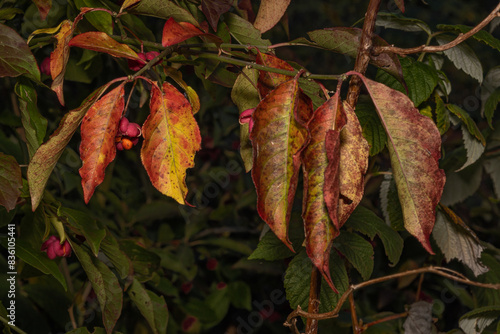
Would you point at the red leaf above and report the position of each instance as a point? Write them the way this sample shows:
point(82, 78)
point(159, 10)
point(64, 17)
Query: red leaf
point(269, 80)
point(59, 58)
point(43, 7)
point(401, 5)
point(171, 139)
point(176, 32)
point(11, 181)
point(277, 137)
point(270, 13)
point(101, 42)
point(99, 129)
point(320, 160)
point(213, 9)
point(414, 145)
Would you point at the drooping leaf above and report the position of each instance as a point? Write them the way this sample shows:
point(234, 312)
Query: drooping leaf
point(101, 42)
point(246, 96)
point(101, 20)
point(270, 13)
point(475, 321)
point(463, 57)
point(98, 130)
point(277, 137)
point(419, 318)
point(414, 146)
point(491, 105)
point(269, 80)
point(357, 250)
point(491, 167)
point(442, 115)
point(176, 32)
point(43, 7)
point(105, 285)
point(213, 9)
point(142, 299)
point(39, 260)
point(298, 278)
point(354, 151)
point(110, 247)
point(467, 121)
point(171, 139)
point(346, 41)
point(457, 243)
point(15, 55)
point(34, 124)
point(162, 9)
point(490, 84)
point(401, 5)
point(367, 222)
point(11, 181)
point(47, 155)
point(481, 36)
point(373, 131)
point(321, 167)
point(394, 21)
point(473, 147)
point(243, 31)
point(461, 185)
point(240, 294)
point(59, 58)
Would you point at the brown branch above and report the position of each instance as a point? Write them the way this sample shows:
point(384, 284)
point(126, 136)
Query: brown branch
point(389, 318)
point(435, 48)
point(445, 272)
point(354, 318)
point(313, 307)
point(365, 47)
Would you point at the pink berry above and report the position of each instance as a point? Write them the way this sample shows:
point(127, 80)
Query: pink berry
point(221, 285)
point(123, 125)
point(45, 66)
point(133, 130)
point(119, 146)
point(136, 65)
point(135, 141)
point(212, 264)
point(151, 55)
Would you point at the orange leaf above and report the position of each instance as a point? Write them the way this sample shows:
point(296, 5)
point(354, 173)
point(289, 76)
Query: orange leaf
point(269, 80)
point(270, 13)
point(320, 160)
point(101, 42)
point(171, 139)
point(176, 32)
point(414, 145)
point(59, 58)
point(277, 137)
point(99, 128)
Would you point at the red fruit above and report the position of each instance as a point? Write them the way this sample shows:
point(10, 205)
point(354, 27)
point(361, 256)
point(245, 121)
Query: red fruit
point(123, 125)
point(191, 324)
point(186, 287)
point(151, 55)
point(212, 263)
point(119, 146)
point(246, 117)
point(54, 248)
point(135, 141)
point(45, 66)
point(221, 285)
point(127, 143)
point(136, 65)
point(133, 130)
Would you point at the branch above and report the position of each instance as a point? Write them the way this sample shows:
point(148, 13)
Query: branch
point(314, 292)
point(365, 47)
point(445, 272)
point(434, 48)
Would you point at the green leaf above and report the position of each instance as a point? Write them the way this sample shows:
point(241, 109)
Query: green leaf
point(11, 181)
point(164, 10)
point(154, 310)
point(373, 131)
point(270, 248)
point(111, 248)
point(461, 185)
point(86, 225)
point(442, 115)
point(456, 243)
point(39, 260)
point(390, 205)
point(367, 222)
point(298, 278)
point(243, 31)
point(358, 252)
point(227, 243)
point(463, 57)
point(34, 124)
point(105, 284)
point(399, 22)
point(491, 105)
point(473, 147)
point(144, 262)
point(240, 294)
point(15, 56)
point(101, 20)
point(481, 36)
point(488, 296)
point(475, 321)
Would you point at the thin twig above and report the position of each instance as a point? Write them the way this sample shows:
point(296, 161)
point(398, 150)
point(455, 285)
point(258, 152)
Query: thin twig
point(388, 318)
point(419, 287)
point(445, 272)
point(354, 317)
point(435, 48)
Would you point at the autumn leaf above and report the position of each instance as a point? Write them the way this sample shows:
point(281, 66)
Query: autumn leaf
point(59, 58)
point(269, 14)
point(101, 42)
point(11, 181)
point(43, 7)
point(213, 9)
point(277, 136)
point(47, 155)
point(269, 80)
point(176, 32)
point(414, 147)
point(171, 139)
point(321, 162)
point(99, 128)
point(401, 5)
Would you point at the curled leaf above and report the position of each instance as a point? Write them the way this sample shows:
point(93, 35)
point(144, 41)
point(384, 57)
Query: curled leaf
point(101, 42)
point(59, 58)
